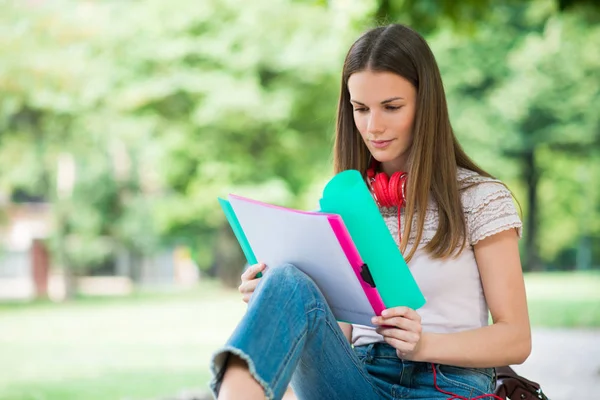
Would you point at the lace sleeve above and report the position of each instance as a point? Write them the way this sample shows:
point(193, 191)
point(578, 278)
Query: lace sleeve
point(489, 209)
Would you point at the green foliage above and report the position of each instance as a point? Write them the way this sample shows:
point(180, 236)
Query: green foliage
point(163, 117)
point(165, 106)
point(429, 16)
point(532, 92)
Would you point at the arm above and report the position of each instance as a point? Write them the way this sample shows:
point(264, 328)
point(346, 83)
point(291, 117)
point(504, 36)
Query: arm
point(347, 329)
point(508, 340)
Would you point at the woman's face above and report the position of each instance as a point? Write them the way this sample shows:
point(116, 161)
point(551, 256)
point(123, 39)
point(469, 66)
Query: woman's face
point(384, 111)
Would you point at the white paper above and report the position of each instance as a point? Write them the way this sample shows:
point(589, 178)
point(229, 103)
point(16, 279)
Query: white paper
point(279, 236)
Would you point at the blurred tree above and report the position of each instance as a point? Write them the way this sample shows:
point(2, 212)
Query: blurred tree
point(238, 98)
point(164, 106)
point(527, 84)
point(429, 15)
point(52, 106)
point(201, 100)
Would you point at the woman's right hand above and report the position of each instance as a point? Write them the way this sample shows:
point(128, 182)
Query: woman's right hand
point(249, 281)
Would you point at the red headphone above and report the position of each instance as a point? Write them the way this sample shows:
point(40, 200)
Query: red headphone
point(388, 192)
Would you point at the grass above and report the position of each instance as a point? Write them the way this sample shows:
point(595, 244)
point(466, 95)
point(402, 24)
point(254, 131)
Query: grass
point(150, 346)
point(145, 347)
point(563, 299)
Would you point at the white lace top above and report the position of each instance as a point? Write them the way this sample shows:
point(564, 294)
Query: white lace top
point(452, 287)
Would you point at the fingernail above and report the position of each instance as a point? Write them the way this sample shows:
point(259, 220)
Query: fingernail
point(384, 313)
point(374, 320)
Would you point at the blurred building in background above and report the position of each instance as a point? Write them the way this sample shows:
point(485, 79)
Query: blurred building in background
point(28, 271)
point(24, 260)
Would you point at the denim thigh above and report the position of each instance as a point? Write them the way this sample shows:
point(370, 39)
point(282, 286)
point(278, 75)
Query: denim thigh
point(403, 379)
point(289, 334)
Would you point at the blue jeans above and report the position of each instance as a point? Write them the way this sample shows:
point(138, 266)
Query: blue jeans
point(289, 334)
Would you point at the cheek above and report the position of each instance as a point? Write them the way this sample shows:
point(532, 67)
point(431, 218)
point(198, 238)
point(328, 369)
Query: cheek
point(361, 123)
point(405, 123)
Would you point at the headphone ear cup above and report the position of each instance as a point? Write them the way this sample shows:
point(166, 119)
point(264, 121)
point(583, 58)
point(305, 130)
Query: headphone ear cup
point(380, 185)
point(395, 195)
point(389, 192)
point(397, 187)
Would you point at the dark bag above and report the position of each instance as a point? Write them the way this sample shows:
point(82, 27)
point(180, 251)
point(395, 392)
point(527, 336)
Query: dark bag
point(510, 384)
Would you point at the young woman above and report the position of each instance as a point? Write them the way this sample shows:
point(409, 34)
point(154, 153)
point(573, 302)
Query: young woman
point(456, 225)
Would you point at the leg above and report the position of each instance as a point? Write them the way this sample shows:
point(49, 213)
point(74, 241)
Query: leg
point(238, 383)
point(289, 330)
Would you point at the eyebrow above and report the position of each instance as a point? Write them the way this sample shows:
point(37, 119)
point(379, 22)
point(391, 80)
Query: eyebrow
point(383, 102)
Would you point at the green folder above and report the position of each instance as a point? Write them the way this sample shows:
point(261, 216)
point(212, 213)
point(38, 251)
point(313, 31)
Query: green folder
point(347, 194)
point(239, 233)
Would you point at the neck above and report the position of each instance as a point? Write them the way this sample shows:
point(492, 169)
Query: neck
point(400, 164)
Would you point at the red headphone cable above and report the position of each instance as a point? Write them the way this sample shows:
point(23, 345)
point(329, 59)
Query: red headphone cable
point(391, 192)
point(388, 192)
point(455, 396)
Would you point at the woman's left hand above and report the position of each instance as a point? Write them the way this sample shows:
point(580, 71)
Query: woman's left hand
point(401, 329)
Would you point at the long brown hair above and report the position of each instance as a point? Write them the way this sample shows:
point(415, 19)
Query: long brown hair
point(400, 50)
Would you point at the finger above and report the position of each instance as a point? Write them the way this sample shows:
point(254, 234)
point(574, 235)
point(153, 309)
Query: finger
point(394, 312)
point(242, 287)
point(399, 345)
point(405, 312)
point(250, 286)
point(413, 315)
point(251, 272)
point(399, 322)
point(246, 298)
point(398, 334)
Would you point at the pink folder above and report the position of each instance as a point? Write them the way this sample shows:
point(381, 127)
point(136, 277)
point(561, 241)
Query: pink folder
point(360, 268)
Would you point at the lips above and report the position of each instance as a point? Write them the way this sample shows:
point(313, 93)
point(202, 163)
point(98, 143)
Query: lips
point(380, 144)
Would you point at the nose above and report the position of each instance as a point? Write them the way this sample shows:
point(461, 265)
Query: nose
point(375, 124)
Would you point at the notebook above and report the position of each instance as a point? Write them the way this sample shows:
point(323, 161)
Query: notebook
point(316, 243)
point(345, 247)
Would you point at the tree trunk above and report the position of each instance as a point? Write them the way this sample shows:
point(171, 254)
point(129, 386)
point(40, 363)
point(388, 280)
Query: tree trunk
point(66, 265)
point(531, 174)
point(70, 282)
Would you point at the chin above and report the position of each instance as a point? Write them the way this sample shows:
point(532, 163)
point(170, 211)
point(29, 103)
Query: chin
point(384, 156)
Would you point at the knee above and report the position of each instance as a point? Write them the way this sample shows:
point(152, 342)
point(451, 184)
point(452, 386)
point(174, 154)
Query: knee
point(288, 279)
point(285, 273)
point(287, 285)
